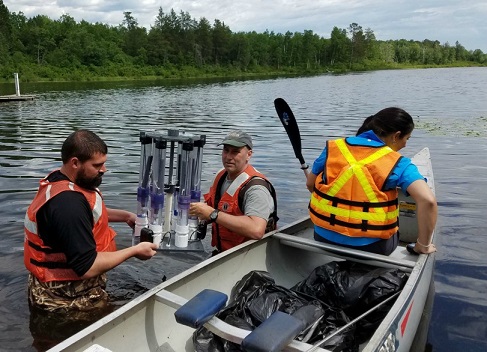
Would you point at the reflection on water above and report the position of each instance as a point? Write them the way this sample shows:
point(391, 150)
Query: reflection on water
point(47, 329)
point(448, 105)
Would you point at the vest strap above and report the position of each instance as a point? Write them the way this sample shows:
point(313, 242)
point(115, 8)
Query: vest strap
point(50, 265)
point(363, 225)
point(355, 203)
point(41, 249)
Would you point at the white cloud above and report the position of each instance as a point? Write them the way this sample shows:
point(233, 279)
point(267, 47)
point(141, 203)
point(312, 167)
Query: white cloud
point(445, 20)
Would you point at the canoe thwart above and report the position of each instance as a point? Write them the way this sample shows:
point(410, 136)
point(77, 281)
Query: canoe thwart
point(273, 334)
point(201, 308)
point(343, 252)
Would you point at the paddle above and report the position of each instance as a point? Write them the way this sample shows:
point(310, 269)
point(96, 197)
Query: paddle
point(291, 126)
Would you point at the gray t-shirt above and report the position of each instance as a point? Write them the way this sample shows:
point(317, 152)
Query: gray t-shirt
point(258, 200)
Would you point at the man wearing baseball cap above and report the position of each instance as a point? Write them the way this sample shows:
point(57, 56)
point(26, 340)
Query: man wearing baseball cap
point(241, 203)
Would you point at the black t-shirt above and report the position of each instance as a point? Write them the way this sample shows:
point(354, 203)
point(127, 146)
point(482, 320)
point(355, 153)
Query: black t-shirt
point(65, 224)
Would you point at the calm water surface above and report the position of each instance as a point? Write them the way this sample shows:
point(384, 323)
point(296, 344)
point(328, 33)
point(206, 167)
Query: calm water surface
point(450, 111)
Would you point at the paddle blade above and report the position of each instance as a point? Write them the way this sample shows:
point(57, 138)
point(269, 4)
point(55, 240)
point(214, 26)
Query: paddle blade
point(290, 125)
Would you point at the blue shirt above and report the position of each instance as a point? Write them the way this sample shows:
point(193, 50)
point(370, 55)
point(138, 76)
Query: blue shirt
point(403, 174)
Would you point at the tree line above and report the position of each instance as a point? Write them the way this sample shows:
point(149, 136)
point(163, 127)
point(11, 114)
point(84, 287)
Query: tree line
point(177, 45)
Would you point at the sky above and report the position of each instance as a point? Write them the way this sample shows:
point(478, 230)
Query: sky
point(449, 21)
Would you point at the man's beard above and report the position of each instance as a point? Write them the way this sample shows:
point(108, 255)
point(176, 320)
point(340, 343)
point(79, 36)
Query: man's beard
point(88, 183)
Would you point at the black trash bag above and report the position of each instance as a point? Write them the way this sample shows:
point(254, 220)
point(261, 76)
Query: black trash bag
point(256, 296)
point(206, 341)
point(355, 288)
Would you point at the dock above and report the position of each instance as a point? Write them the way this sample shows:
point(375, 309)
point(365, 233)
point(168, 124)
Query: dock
point(16, 96)
point(7, 98)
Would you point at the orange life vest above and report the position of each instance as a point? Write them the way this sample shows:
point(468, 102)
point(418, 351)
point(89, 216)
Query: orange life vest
point(222, 238)
point(349, 196)
point(44, 262)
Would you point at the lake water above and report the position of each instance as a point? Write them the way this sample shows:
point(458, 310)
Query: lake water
point(449, 107)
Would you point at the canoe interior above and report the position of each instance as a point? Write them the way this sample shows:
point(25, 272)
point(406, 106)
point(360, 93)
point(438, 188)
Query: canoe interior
point(150, 325)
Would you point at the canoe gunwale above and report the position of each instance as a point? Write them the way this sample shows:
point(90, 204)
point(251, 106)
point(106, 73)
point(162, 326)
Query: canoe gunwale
point(419, 276)
point(399, 322)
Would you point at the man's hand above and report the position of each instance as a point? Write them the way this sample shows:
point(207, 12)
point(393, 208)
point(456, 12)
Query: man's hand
point(130, 220)
point(145, 250)
point(201, 210)
point(252, 227)
point(119, 215)
point(108, 260)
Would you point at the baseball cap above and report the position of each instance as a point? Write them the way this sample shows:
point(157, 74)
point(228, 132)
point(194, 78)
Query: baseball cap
point(238, 139)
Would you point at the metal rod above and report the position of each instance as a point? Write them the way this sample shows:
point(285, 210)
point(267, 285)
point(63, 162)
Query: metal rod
point(319, 343)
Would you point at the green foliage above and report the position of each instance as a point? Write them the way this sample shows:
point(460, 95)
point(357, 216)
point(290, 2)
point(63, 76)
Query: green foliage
point(178, 46)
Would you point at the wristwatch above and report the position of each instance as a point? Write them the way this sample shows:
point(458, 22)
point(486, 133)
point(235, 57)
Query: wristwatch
point(214, 215)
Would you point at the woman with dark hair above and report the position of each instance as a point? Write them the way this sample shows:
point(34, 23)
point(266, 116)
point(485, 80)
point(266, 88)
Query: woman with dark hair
point(354, 187)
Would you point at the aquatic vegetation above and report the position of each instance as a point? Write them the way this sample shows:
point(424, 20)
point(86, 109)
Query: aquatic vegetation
point(447, 126)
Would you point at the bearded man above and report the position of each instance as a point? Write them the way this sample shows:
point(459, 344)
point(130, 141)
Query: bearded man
point(68, 244)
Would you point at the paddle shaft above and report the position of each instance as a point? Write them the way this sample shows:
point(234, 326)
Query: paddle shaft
point(291, 126)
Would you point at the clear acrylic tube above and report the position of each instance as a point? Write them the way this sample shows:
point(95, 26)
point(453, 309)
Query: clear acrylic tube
point(157, 190)
point(184, 196)
point(170, 186)
point(197, 162)
point(146, 158)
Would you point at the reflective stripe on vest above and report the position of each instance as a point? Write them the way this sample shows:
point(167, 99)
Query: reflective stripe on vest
point(97, 209)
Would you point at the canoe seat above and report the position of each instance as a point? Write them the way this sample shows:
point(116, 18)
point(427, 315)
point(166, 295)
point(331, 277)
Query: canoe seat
point(273, 334)
point(201, 308)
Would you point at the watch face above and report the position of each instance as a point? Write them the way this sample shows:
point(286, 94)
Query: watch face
point(214, 215)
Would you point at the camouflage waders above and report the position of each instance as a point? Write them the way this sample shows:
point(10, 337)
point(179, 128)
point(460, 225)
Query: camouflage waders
point(56, 296)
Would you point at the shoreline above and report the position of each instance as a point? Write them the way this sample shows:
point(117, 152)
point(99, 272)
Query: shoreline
point(219, 73)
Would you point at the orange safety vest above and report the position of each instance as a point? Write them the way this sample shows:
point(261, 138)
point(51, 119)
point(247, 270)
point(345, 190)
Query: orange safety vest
point(222, 238)
point(349, 196)
point(44, 262)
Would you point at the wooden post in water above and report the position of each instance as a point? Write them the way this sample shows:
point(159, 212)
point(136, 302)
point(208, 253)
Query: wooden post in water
point(17, 85)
